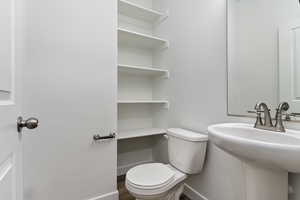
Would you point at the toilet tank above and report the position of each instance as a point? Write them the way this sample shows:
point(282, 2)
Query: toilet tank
point(186, 150)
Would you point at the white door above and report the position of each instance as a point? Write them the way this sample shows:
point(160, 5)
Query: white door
point(67, 50)
point(70, 85)
point(289, 65)
point(10, 140)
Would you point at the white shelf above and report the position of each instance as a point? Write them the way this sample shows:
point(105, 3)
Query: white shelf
point(154, 102)
point(146, 71)
point(136, 11)
point(132, 38)
point(140, 133)
point(143, 102)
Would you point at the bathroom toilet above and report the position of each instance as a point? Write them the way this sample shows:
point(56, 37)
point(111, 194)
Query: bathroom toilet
point(186, 151)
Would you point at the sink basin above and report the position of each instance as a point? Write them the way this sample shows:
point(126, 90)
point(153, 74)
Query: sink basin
point(273, 149)
point(267, 157)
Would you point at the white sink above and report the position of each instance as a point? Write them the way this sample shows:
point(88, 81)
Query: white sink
point(281, 150)
point(267, 157)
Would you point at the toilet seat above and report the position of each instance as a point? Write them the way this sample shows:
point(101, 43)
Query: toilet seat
point(152, 179)
point(150, 176)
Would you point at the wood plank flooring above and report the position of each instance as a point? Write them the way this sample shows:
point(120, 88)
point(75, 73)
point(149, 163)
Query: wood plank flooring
point(123, 192)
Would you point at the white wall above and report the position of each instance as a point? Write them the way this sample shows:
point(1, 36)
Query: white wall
point(197, 62)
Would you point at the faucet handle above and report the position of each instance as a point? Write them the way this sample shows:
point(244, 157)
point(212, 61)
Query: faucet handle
point(284, 106)
point(295, 114)
point(289, 115)
point(252, 111)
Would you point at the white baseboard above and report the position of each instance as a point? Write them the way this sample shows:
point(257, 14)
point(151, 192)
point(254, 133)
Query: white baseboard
point(192, 193)
point(108, 196)
point(122, 170)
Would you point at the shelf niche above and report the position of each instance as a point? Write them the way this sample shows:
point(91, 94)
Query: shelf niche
point(142, 113)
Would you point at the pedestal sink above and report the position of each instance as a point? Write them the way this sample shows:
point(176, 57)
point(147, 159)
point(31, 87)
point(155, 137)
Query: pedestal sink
point(267, 157)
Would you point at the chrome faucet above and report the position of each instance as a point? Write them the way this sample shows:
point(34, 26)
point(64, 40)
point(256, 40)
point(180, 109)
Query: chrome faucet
point(267, 123)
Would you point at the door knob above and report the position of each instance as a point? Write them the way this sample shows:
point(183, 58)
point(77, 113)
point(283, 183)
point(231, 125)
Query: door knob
point(30, 123)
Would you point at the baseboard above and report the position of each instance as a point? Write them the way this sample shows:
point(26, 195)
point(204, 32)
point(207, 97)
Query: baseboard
point(108, 196)
point(191, 193)
point(122, 170)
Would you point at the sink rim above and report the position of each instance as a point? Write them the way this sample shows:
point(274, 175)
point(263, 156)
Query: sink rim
point(212, 129)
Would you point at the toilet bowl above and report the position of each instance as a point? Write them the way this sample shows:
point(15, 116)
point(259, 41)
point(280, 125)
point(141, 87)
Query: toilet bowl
point(152, 181)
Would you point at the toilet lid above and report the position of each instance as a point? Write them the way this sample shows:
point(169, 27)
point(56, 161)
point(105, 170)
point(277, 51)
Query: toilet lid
point(150, 175)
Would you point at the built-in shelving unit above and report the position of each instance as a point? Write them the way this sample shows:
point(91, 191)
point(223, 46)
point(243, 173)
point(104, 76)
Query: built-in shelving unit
point(142, 70)
point(136, 11)
point(143, 102)
point(140, 133)
point(133, 38)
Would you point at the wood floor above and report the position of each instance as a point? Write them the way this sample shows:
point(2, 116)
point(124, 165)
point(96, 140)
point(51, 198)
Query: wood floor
point(124, 194)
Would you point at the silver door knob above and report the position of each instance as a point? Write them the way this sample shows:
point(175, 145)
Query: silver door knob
point(30, 123)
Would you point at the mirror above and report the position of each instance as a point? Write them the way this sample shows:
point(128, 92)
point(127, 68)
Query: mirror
point(263, 54)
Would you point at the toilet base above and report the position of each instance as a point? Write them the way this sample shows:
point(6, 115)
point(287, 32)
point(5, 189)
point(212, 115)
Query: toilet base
point(173, 194)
